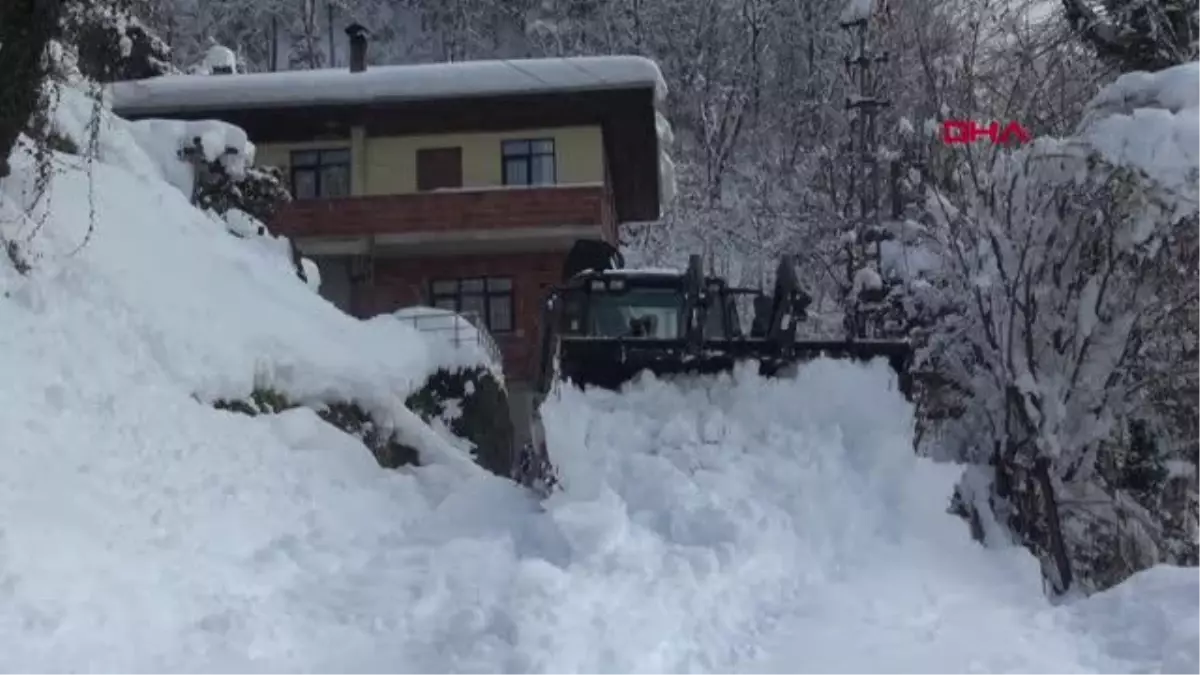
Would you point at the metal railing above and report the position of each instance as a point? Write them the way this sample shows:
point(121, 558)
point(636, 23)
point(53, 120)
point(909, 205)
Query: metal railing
point(461, 329)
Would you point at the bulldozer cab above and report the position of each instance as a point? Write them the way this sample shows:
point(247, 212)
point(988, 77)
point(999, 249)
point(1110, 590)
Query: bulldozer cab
point(635, 305)
point(638, 312)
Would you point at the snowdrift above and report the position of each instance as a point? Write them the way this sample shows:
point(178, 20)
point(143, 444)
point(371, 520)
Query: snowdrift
point(731, 524)
point(793, 517)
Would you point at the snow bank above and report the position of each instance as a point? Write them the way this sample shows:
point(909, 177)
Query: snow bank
point(215, 314)
point(748, 525)
point(1150, 121)
point(215, 141)
point(1151, 620)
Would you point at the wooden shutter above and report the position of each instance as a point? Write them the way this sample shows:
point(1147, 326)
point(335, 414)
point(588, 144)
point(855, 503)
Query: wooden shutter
point(439, 168)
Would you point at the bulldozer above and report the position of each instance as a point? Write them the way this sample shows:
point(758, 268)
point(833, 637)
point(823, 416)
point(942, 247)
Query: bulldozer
point(605, 324)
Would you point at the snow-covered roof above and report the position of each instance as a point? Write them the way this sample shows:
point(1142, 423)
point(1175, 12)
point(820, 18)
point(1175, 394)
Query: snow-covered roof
point(377, 84)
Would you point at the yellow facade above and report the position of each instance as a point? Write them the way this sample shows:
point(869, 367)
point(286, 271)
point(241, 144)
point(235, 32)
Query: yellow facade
point(385, 165)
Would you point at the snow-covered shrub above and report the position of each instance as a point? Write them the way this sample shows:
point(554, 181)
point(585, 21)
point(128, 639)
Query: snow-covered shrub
point(112, 44)
point(347, 416)
point(383, 444)
point(218, 60)
point(473, 405)
point(470, 403)
point(258, 191)
point(225, 180)
point(1054, 268)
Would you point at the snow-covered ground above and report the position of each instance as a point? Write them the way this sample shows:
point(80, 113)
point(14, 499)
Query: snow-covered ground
point(787, 526)
point(733, 524)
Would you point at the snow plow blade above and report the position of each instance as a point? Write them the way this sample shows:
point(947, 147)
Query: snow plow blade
point(589, 362)
point(604, 325)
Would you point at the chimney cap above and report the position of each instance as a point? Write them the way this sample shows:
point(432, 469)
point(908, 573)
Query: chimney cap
point(357, 30)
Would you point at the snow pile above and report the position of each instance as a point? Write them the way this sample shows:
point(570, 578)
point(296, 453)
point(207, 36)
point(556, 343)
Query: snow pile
point(213, 140)
point(775, 526)
point(1151, 619)
point(150, 149)
point(218, 60)
point(177, 289)
point(1150, 121)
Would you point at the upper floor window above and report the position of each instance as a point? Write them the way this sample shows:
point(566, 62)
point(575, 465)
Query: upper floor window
point(320, 173)
point(529, 162)
point(489, 298)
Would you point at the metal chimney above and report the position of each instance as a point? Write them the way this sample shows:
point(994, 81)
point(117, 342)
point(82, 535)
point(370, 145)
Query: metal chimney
point(358, 47)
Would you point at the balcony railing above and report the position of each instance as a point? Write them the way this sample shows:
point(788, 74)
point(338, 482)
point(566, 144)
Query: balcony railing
point(463, 330)
point(443, 211)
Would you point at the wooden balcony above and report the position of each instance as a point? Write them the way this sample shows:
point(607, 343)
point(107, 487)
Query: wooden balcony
point(445, 214)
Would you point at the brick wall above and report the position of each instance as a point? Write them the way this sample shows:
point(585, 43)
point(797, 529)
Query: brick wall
point(441, 211)
point(401, 282)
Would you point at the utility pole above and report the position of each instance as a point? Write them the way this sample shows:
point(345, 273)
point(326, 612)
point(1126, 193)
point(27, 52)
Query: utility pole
point(864, 232)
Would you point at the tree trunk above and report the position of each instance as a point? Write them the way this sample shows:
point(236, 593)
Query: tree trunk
point(26, 27)
point(1055, 546)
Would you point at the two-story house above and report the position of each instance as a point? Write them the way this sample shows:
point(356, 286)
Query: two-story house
point(459, 185)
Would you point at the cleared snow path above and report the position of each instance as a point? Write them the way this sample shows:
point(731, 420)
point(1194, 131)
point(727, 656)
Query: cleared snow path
point(786, 526)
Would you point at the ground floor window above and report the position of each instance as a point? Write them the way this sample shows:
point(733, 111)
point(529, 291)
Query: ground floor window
point(489, 298)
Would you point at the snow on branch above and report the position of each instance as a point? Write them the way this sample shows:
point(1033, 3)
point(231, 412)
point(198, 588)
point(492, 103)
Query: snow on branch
point(1060, 260)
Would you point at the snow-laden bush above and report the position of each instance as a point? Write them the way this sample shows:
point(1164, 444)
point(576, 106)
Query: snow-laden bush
point(1069, 285)
point(112, 44)
point(347, 416)
point(472, 405)
point(469, 405)
point(223, 179)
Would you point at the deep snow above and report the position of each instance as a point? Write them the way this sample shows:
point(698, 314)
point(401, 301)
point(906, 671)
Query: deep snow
point(730, 524)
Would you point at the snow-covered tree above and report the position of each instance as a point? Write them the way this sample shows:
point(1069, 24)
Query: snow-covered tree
point(1138, 34)
point(26, 30)
point(1063, 269)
